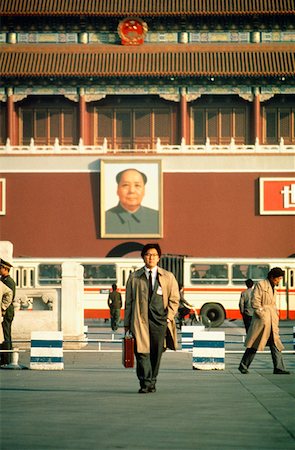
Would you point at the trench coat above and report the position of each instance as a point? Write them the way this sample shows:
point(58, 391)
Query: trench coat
point(265, 320)
point(136, 307)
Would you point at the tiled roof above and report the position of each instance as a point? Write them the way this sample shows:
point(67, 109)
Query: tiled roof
point(145, 7)
point(76, 61)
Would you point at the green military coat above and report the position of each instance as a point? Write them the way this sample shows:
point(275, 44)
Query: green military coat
point(143, 221)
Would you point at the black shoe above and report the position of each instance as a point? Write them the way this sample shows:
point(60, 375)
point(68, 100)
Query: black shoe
point(243, 369)
point(281, 372)
point(143, 391)
point(152, 388)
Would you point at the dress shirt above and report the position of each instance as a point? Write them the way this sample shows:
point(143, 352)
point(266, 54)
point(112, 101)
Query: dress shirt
point(154, 274)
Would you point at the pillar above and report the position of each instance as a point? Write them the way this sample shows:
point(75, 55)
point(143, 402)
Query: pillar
point(10, 115)
point(82, 114)
point(257, 116)
point(183, 115)
point(72, 305)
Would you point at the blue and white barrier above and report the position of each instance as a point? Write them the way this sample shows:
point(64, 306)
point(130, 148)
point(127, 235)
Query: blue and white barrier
point(187, 336)
point(46, 350)
point(208, 350)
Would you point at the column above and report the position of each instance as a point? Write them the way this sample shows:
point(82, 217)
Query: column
point(10, 115)
point(82, 114)
point(183, 115)
point(72, 305)
point(257, 116)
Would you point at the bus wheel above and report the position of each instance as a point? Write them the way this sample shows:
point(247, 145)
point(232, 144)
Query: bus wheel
point(212, 314)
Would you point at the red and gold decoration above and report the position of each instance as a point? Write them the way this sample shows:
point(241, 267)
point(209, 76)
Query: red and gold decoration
point(132, 31)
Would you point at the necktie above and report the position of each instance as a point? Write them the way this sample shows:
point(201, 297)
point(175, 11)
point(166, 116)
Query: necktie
point(150, 285)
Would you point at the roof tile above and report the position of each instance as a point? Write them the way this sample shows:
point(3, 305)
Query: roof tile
point(145, 7)
point(24, 61)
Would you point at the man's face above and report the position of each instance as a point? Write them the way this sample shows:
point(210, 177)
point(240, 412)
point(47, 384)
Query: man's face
point(151, 258)
point(3, 270)
point(276, 281)
point(131, 190)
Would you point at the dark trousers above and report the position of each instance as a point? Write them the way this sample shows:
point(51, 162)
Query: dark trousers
point(148, 364)
point(277, 358)
point(7, 344)
point(247, 321)
point(115, 318)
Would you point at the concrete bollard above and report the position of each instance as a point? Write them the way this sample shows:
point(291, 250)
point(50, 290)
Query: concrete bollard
point(14, 360)
point(46, 350)
point(208, 350)
point(187, 336)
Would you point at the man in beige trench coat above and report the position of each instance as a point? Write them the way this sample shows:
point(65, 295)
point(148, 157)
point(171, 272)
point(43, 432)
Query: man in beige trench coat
point(152, 298)
point(264, 328)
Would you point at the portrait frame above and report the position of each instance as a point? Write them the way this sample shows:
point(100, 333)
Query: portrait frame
point(2, 196)
point(152, 202)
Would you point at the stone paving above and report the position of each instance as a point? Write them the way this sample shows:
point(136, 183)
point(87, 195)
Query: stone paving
point(93, 404)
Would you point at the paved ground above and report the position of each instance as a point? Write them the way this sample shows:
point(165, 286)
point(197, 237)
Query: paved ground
point(93, 404)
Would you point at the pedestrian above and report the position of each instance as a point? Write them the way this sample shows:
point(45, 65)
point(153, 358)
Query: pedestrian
point(245, 303)
point(6, 296)
point(152, 298)
point(264, 328)
point(183, 308)
point(8, 313)
point(115, 305)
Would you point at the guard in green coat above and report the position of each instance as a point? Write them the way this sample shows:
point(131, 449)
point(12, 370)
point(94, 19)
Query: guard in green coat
point(8, 314)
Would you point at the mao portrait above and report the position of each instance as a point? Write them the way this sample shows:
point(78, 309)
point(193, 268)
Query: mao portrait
point(131, 198)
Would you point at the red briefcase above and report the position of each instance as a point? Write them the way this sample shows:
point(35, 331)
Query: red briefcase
point(128, 351)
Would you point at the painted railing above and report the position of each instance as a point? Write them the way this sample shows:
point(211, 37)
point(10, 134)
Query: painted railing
point(207, 148)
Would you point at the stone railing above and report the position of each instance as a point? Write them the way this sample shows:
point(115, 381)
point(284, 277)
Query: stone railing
point(81, 149)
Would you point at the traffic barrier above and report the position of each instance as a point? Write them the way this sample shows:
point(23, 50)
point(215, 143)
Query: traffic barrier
point(46, 350)
point(187, 336)
point(209, 350)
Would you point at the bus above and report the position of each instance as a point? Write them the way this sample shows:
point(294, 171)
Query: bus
point(211, 285)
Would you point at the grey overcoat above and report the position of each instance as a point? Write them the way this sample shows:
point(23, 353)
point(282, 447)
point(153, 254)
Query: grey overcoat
point(136, 307)
point(265, 318)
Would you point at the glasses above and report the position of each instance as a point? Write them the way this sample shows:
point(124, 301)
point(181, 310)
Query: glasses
point(151, 255)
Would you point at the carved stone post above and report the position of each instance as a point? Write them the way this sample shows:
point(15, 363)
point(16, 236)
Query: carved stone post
point(72, 309)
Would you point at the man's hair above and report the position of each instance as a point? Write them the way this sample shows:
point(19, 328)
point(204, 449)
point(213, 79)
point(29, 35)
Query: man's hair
point(249, 283)
point(119, 175)
point(114, 287)
point(275, 272)
point(149, 247)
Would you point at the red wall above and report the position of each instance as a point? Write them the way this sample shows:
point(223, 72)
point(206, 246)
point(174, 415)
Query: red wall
point(212, 214)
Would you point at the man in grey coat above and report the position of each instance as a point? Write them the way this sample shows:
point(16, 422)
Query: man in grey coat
point(152, 298)
point(245, 304)
point(264, 328)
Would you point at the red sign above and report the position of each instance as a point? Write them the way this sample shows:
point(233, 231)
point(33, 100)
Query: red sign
point(277, 196)
point(2, 196)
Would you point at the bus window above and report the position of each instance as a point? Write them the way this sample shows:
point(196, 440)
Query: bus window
point(49, 274)
point(99, 273)
point(257, 271)
point(209, 274)
point(241, 272)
